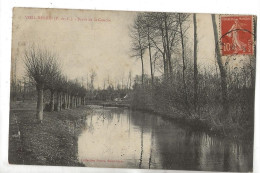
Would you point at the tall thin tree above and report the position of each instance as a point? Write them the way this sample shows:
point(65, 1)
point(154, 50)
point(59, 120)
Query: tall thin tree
point(223, 73)
point(138, 41)
point(195, 63)
point(182, 18)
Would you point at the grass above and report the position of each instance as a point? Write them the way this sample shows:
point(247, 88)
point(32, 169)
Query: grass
point(53, 142)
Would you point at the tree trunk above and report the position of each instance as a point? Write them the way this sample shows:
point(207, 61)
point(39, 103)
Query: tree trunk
point(141, 53)
point(142, 68)
point(183, 67)
point(167, 45)
point(52, 101)
point(75, 101)
point(64, 101)
point(68, 101)
point(223, 73)
point(165, 62)
point(61, 101)
point(39, 112)
point(150, 54)
point(195, 63)
point(58, 101)
point(71, 101)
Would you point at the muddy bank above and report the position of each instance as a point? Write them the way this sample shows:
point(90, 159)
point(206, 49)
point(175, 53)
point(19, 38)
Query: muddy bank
point(53, 142)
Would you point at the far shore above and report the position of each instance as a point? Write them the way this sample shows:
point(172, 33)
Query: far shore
point(193, 123)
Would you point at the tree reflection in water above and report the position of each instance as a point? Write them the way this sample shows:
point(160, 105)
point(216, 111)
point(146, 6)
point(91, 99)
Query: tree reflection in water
point(143, 140)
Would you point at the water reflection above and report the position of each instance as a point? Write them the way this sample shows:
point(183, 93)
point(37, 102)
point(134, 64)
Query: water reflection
point(116, 137)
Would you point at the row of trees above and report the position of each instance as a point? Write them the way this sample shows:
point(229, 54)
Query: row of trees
point(199, 91)
point(21, 90)
point(44, 70)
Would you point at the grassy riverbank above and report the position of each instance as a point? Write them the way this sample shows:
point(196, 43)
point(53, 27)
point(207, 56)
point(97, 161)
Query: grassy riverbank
point(207, 121)
point(53, 142)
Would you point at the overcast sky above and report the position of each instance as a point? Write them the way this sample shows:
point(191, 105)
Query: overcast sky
point(100, 45)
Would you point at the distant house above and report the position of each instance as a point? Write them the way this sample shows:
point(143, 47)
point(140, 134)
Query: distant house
point(118, 99)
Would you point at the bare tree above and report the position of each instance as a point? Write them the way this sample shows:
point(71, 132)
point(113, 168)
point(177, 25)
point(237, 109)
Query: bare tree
point(138, 41)
point(158, 38)
point(224, 90)
point(40, 64)
point(60, 88)
point(163, 36)
point(195, 50)
point(93, 75)
point(129, 81)
point(168, 53)
point(182, 19)
point(52, 84)
point(148, 31)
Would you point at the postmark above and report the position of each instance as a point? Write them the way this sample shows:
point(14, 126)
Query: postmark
point(236, 35)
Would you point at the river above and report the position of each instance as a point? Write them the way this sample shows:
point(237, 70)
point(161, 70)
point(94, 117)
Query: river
point(122, 138)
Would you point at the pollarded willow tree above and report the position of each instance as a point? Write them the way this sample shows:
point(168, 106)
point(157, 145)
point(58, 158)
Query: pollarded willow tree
point(60, 87)
point(40, 64)
point(52, 84)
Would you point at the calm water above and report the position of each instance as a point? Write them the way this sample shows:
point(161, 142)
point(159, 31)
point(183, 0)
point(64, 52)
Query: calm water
point(117, 137)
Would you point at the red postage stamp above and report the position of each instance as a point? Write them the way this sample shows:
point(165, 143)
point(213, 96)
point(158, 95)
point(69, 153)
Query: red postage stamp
point(236, 35)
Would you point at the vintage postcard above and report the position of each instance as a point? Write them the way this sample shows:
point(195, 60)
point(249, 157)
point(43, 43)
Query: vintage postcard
point(148, 90)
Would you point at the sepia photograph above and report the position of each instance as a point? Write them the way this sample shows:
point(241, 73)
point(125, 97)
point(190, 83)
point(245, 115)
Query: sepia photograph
point(132, 89)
